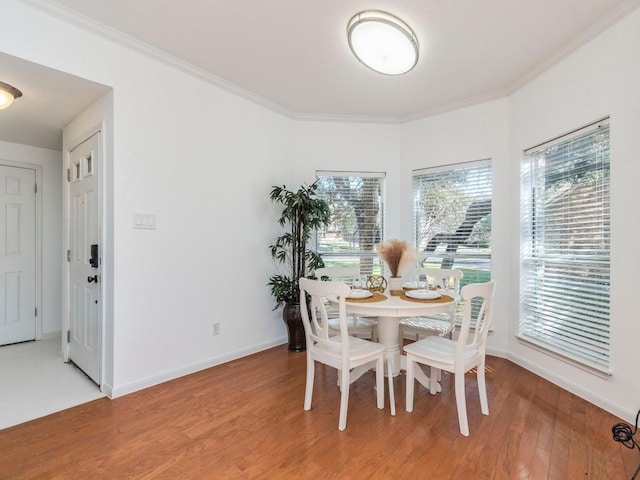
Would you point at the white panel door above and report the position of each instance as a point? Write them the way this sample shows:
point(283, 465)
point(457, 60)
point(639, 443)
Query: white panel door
point(17, 254)
point(84, 265)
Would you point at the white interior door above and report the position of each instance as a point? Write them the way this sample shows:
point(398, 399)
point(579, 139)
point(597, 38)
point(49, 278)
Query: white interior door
point(17, 254)
point(84, 258)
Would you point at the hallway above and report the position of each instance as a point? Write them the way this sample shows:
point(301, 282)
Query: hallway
point(34, 382)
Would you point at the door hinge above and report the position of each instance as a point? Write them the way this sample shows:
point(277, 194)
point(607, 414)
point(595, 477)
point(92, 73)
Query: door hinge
point(36, 311)
point(35, 188)
point(68, 174)
point(68, 336)
point(68, 255)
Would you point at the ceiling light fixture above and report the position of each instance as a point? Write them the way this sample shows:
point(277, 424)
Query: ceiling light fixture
point(7, 94)
point(382, 42)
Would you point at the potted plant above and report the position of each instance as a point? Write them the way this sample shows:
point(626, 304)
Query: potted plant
point(302, 213)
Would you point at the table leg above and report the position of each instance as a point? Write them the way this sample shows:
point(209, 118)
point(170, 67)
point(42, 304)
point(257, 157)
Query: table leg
point(388, 334)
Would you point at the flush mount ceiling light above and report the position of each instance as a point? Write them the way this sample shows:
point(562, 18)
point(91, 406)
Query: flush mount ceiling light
point(382, 42)
point(7, 94)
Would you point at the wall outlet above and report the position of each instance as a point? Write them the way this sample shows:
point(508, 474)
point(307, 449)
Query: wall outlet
point(215, 328)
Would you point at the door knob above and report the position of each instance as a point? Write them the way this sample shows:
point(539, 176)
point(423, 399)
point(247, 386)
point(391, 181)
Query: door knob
point(92, 279)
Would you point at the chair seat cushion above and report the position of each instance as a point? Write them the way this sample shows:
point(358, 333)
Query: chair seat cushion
point(438, 349)
point(358, 348)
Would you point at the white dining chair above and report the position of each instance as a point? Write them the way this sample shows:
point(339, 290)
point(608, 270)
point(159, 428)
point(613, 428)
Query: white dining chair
point(439, 324)
point(457, 356)
point(357, 325)
point(343, 351)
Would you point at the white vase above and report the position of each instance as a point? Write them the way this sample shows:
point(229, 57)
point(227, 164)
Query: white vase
point(395, 285)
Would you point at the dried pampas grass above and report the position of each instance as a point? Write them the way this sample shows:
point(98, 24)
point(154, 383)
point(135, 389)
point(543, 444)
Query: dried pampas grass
point(397, 254)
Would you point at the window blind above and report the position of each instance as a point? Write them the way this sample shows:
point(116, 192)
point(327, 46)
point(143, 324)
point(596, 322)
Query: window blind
point(565, 245)
point(452, 218)
point(356, 201)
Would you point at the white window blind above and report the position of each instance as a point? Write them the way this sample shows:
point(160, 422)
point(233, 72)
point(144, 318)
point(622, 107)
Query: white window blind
point(356, 201)
point(452, 218)
point(565, 242)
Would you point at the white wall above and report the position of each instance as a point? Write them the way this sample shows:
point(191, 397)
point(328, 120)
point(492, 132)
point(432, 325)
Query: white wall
point(203, 164)
point(50, 162)
point(600, 79)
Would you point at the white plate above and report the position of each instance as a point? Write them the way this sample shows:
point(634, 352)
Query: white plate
point(423, 294)
point(355, 293)
point(414, 285)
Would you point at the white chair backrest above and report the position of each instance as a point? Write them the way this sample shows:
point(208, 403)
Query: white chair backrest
point(483, 319)
point(314, 313)
point(339, 274)
point(444, 278)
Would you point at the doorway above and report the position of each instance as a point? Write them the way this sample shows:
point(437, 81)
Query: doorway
point(83, 286)
point(17, 254)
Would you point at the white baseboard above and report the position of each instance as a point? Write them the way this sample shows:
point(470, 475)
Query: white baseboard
point(568, 385)
point(180, 372)
point(500, 353)
point(51, 335)
point(107, 390)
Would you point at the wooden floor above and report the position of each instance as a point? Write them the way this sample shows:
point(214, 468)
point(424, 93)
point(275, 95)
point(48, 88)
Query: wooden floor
point(245, 420)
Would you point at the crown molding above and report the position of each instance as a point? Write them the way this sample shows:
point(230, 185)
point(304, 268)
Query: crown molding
point(338, 118)
point(456, 105)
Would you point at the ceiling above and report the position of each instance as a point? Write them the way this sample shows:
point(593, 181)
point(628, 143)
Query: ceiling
point(50, 100)
point(292, 55)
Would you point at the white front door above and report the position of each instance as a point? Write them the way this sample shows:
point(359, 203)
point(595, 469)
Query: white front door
point(17, 254)
point(84, 257)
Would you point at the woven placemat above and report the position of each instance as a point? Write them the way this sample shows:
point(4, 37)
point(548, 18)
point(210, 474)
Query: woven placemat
point(442, 299)
point(377, 297)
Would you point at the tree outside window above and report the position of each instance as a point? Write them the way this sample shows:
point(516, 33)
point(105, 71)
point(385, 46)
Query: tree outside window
point(452, 215)
point(357, 211)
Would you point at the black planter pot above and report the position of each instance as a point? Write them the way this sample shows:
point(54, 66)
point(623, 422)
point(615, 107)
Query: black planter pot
point(295, 327)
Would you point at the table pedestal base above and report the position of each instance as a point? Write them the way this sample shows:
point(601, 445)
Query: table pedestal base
point(388, 335)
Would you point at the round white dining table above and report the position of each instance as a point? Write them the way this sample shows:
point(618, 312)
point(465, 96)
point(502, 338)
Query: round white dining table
point(390, 311)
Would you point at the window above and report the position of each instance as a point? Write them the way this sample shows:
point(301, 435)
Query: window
point(565, 242)
point(452, 218)
point(356, 200)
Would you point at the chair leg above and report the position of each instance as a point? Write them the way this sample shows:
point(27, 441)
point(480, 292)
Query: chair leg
point(434, 377)
point(410, 381)
point(308, 391)
point(344, 399)
point(461, 403)
point(380, 381)
point(392, 394)
point(482, 389)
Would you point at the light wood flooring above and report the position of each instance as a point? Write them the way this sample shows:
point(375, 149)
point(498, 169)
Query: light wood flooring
point(244, 420)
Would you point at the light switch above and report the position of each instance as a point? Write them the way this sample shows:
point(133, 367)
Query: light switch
point(145, 221)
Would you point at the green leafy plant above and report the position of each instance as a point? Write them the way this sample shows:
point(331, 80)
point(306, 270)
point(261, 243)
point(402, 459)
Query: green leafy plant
point(302, 214)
